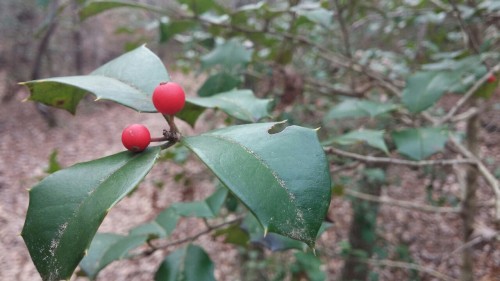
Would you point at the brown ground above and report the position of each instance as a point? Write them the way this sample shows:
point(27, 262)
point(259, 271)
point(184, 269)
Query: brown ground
point(26, 143)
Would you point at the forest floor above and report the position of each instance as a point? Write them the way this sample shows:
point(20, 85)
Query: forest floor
point(26, 142)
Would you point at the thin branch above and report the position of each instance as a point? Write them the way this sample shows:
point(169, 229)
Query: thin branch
point(402, 204)
point(487, 175)
point(208, 230)
point(412, 266)
point(469, 37)
point(468, 95)
point(395, 161)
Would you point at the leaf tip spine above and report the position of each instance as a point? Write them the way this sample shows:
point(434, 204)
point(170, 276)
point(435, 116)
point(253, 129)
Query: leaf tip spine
point(266, 230)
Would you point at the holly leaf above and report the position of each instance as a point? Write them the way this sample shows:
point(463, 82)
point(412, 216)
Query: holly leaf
point(282, 177)
point(354, 108)
point(228, 54)
point(218, 83)
point(420, 143)
point(188, 264)
point(373, 138)
point(106, 248)
point(67, 207)
point(128, 80)
point(240, 104)
point(92, 8)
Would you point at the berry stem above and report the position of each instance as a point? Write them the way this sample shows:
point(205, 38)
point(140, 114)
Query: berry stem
point(171, 123)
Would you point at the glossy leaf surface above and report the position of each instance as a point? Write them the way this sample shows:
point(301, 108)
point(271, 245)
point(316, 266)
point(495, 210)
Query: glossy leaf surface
point(240, 104)
point(106, 248)
point(128, 80)
point(282, 177)
point(354, 108)
point(373, 138)
point(229, 55)
point(188, 264)
point(67, 207)
point(420, 143)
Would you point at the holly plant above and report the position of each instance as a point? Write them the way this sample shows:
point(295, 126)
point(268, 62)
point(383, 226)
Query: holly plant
point(278, 172)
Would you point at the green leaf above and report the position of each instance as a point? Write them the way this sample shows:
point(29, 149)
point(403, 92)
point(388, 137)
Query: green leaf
point(208, 208)
point(228, 54)
point(67, 207)
point(169, 29)
point(240, 104)
point(202, 6)
point(164, 224)
point(273, 241)
point(234, 234)
point(310, 264)
point(424, 89)
point(106, 248)
point(218, 83)
point(354, 108)
point(92, 8)
point(54, 165)
point(188, 264)
point(420, 143)
point(283, 178)
point(128, 80)
point(373, 138)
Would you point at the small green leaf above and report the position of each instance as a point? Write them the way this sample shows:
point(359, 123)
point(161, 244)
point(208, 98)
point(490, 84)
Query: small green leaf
point(310, 264)
point(373, 138)
point(234, 234)
point(218, 83)
point(129, 80)
point(67, 207)
point(207, 208)
point(92, 8)
point(273, 241)
point(54, 165)
point(420, 143)
point(188, 264)
point(240, 104)
point(202, 6)
point(354, 108)
point(228, 54)
point(106, 248)
point(423, 89)
point(283, 178)
point(169, 29)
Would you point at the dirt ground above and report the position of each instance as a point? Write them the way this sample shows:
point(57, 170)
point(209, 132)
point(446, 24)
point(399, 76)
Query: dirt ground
point(26, 143)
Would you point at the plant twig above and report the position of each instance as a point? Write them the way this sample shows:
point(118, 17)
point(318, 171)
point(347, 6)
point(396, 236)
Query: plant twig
point(468, 95)
point(395, 161)
point(208, 230)
point(402, 204)
point(412, 266)
point(487, 175)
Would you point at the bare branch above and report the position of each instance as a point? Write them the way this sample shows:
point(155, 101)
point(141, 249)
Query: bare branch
point(395, 161)
point(412, 266)
point(488, 176)
point(402, 204)
point(468, 95)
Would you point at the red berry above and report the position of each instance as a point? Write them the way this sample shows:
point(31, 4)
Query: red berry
point(492, 78)
point(169, 98)
point(136, 137)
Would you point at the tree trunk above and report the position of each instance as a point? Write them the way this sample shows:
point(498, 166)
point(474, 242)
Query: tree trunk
point(469, 200)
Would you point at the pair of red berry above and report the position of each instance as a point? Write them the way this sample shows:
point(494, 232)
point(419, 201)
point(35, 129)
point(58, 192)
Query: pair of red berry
point(168, 99)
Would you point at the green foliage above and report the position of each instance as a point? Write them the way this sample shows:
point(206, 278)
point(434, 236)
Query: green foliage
point(274, 181)
point(76, 204)
point(190, 263)
point(373, 138)
point(420, 143)
point(128, 80)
